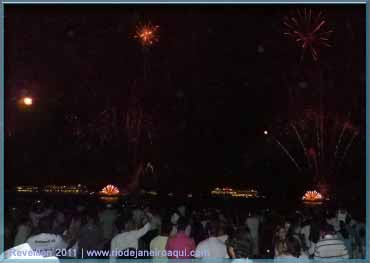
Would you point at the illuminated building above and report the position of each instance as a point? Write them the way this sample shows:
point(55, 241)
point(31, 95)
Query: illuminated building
point(235, 193)
point(27, 189)
point(66, 189)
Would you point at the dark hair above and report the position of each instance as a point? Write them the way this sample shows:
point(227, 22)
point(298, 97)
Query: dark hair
point(182, 223)
point(90, 214)
point(166, 228)
point(242, 233)
point(327, 228)
point(221, 229)
point(293, 246)
point(45, 224)
point(343, 231)
point(212, 228)
point(314, 231)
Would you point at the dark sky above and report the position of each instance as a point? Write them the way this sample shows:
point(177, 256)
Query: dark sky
point(218, 77)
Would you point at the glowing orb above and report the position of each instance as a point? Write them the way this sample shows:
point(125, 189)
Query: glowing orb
point(27, 101)
point(110, 190)
point(265, 132)
point(312, 196)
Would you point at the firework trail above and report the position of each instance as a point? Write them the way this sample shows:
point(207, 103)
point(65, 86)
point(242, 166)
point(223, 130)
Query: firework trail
point(309, 134)
point(354, 135)
point(313, 155)
point(287, 153)
point(339, 140)
point(301, 142)
point(318, 135)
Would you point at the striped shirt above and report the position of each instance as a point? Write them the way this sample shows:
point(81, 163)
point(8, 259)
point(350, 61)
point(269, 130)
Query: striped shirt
point(330, 247)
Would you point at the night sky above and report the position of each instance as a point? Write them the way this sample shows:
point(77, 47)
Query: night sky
point(216, 79)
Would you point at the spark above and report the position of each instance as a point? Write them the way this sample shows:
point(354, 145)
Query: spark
point(301, 142)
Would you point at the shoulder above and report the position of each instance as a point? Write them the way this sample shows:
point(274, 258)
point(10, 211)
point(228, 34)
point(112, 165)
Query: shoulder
point(202, 243)
point(118, 237)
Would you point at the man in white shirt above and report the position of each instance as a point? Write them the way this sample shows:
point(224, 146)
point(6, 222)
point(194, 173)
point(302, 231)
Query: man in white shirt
point(24, 252)
point(330, 246)
point(222, 234)
point(212, 247)
point(129, 238)
point(46, 242)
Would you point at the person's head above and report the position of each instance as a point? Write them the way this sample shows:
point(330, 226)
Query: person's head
point(91, 217)
point(212, 229)
point(287, 225)
point(221, 229)
point(326, 229)
point(293, 246)
point(182, 210)
point(38, 206)
point(242, 234)
point(175, 218)
point(130, 225)
point(182, 223)
point(281, 232)
point(45, 225)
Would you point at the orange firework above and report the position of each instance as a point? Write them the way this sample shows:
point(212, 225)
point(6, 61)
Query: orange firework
point(110, 190)
point(309, 31)
point(147, 34)
point(312, 196)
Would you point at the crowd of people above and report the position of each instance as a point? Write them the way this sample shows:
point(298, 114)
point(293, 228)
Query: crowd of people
point(129, 232)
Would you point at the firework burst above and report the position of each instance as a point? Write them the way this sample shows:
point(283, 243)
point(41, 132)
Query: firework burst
point(110, 190)
point(317, 143)
point(147, 34)
point(310, 31)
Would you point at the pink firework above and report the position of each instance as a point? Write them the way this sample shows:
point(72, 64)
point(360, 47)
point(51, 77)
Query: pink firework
point(315, 142)
point(310, 31)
